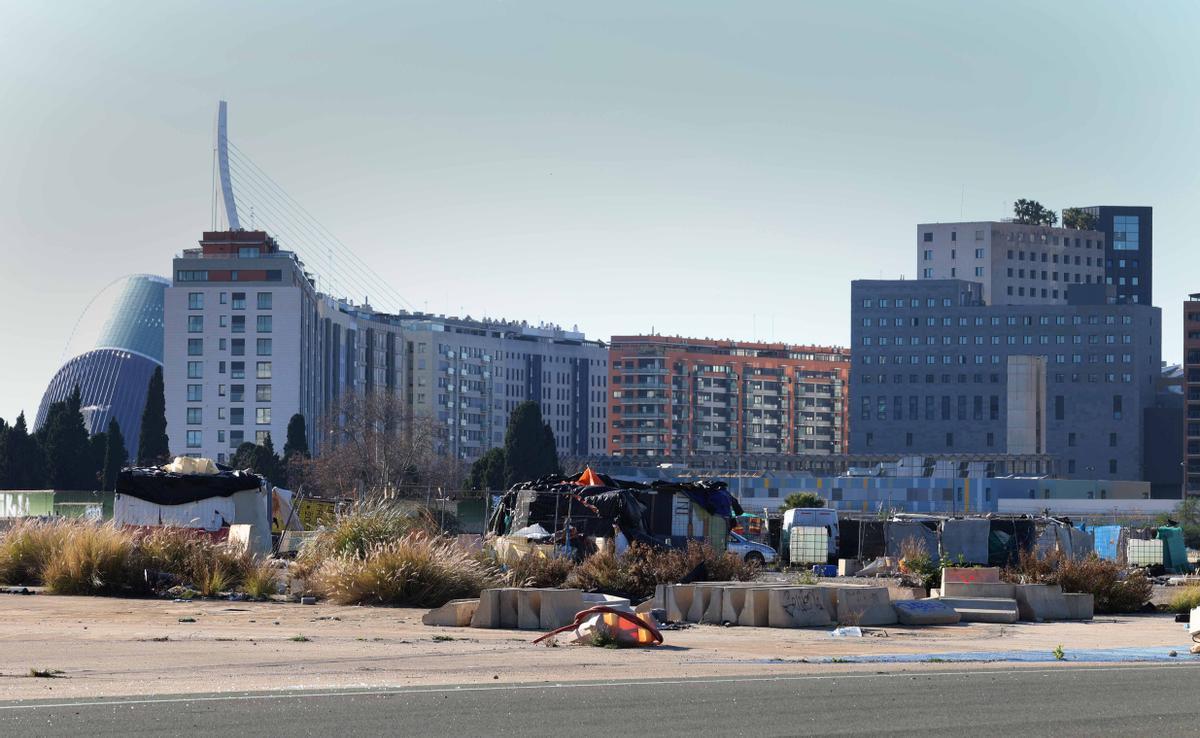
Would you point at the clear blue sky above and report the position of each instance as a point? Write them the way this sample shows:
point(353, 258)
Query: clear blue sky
point(700, 168)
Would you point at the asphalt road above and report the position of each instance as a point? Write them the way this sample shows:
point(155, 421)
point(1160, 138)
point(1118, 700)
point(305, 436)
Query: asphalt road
point(1065, 701)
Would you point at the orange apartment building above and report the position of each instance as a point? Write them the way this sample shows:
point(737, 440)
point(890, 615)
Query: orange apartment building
point(679, 397)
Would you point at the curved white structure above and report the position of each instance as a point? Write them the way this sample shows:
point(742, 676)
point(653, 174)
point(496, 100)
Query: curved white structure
point(223, 166)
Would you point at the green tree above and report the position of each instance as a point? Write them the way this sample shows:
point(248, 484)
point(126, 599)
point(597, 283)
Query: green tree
point(5, 475)
point(97, 446)
point(487, 473)
point(260, 460)
point(153, 444)
point(1079, 219)
point(116, 455)
point(526, 455)
point(1032, 212)
point(802, 499)
point(297, 438)
point(26, 464)
point(64, 441)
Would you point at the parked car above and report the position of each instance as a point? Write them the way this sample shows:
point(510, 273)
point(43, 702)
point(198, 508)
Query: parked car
point(750, 551)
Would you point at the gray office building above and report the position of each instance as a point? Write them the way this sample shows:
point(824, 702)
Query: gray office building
point(937, 369)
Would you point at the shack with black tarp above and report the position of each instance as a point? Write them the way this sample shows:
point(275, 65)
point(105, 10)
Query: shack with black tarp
point(591, 505)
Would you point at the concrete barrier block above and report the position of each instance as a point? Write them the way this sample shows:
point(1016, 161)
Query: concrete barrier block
point(701, 597)
point(755, 612)
point(558, 607)
point(508, 607)
point(1039, 602)
point(865, 606)
point(899, 593)
point(979, 589)
point(925, 612)
point(487, 614)
point(800, 607)
point(1079, 606)
point(849, 567)
point(678, 601)
point(712, 613)
point(984, 609)
point(529, 609)
point(733, 601)
point(455, 614)
point(591, 599)
point(971, 575)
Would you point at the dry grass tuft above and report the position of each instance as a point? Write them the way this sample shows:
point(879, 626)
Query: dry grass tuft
point(25, 548)
point(418, 570)
point(94, 560)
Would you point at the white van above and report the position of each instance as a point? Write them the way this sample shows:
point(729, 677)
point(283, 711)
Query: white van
point(813, 516)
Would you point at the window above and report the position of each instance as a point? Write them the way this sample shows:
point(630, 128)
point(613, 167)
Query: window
point(949, 440)
point(239, 324)
point(235, 438)
point(191, 276)
point(926, 273)
point(195, 393)
point(1116, 406)
point(262, 416)
point(195, 416)
point(237, 392)
point(263, 370)
point(247, 252)
point(1071, 439)
point(927, 254)
point(195, 301)
point(237, 347)
point(195, 370)
point(237, 416)
point(193, 439)
point(1112, 440)
point(978, 253)
point(260, 437)
point(262, 393)
point(1112, 466)
point(264, 300)
point(239, 300)
point(237, 369)
point(928, 237)
point(264, 324)
point(1125, 232)
point(263, 347)
point(978, 271)
point(195, 324)
point(195, 347)
point(1060, 403)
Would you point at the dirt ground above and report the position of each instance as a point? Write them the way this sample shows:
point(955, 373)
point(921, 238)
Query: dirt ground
point(108, 647)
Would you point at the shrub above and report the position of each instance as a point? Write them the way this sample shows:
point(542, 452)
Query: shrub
point(1185, 600)
point(366, 527)
point(261, 580)
point(1104, 580)
point(539, 571)
point(637, 571)
point(918, 565)
point(26, 547)
point(96, 559)
point(172, 549)
point(418, 570)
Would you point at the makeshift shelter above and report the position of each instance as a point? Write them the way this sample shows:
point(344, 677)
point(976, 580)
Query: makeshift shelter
point(213, 499)
point(587, 506)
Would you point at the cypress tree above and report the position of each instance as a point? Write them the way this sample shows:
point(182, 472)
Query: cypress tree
point(297, 438)
point(115, 455)
point(64, 441)
point(26, 463)
point(153, 444)
point(525, 452)
point(487, 473)
point(550, 450)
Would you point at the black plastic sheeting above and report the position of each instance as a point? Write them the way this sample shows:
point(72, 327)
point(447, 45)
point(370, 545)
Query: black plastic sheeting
point(642, 512)
point(166, 488)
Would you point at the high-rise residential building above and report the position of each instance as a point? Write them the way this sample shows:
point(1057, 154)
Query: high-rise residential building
point(679, 397)
point(114, 374)
point(1016, 264)
point(1129, 249)
point(1191, 394)
point(939, 370)
point(250, 342)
